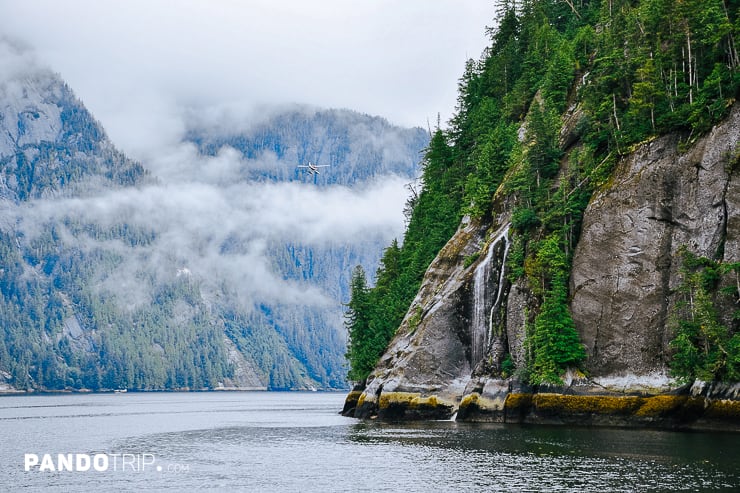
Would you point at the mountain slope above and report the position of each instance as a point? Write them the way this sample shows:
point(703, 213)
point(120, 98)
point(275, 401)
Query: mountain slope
point(355, 146)
point(113, 277)
point(50, 145)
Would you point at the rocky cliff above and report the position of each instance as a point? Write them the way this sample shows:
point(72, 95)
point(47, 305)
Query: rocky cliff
point(623, 284)
point(625, 269)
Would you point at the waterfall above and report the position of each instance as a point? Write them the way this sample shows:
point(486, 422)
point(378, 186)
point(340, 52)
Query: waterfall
point(484, 304)
point(502, 272)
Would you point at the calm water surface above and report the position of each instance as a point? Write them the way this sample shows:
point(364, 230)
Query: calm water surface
point(259, 441)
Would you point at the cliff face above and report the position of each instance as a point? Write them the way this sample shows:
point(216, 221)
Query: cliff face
point(625, 269)
point(624, 274)
point(433, 350)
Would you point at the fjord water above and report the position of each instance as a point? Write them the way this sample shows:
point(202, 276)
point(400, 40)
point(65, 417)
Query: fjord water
point(262, 441)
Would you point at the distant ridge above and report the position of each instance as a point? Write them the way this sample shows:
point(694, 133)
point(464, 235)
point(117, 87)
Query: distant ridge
point(101, 289)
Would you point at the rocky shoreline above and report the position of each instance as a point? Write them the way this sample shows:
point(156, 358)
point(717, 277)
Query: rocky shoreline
point(700, 406)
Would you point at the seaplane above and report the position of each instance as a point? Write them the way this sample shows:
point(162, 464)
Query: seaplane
point(313, 169)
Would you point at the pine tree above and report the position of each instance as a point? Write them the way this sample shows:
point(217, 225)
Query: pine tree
point(357, 321)
point(704, 348)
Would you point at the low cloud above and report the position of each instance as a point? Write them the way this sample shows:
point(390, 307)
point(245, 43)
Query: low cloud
point(221, 234)
point(16, 59)
point(208, 216)
point(137, 63)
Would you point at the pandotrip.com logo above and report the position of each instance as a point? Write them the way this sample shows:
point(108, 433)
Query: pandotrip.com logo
point(123, 463)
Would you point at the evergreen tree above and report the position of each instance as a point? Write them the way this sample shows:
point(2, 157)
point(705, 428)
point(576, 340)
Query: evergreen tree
point(357, 320)
point(704, 348)
point(554, 346)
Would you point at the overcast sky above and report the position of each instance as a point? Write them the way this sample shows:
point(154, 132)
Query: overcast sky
point(147, 68)
point(139, 64)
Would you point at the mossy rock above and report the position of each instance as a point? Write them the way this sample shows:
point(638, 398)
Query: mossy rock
point(518, 402)
point(424, 402)
point(564, 405)
point(468, 409)
point(412, 406)
point(350, 403)
point(661, 405)
point(391, 399)
point(469, 400)
point(724, 410)
point(510, 408)
point(366, 407)
point(361, 399)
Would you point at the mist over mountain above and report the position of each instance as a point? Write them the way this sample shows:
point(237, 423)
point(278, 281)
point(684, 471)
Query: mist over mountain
point(216, 263)
point(356, 146)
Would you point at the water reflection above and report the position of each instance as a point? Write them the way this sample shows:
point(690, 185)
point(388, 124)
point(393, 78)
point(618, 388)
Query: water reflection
point(297, 442)
point(542, 458)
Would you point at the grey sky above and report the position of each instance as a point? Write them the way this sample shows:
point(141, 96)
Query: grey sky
point(148, 68)
point(139, 64)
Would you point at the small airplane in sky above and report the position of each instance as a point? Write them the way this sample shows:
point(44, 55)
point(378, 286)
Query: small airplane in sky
point(313, 169)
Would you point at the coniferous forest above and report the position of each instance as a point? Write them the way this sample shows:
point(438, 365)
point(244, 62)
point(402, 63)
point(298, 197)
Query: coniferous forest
point(615, 73)
point(103, 287)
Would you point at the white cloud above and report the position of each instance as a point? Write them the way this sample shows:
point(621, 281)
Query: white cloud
point(195, 222)
point(138, 63)
point(149, 68)
point(16, 59)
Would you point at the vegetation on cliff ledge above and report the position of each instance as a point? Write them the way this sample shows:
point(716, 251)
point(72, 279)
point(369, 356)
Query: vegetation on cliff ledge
point(706, 348)
point(565, 88)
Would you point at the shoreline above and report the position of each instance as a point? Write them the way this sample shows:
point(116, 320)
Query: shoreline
point(697, 407)
point(4, 393)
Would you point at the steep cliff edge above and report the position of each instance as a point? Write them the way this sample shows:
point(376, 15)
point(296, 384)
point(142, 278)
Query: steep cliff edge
point(445, 361)
point(626, 266)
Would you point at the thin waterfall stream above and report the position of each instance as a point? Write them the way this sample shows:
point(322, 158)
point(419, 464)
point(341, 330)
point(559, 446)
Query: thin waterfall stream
point(484, 305)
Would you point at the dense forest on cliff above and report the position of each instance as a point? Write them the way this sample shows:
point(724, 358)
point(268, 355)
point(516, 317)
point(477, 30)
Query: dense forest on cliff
point(607, 74)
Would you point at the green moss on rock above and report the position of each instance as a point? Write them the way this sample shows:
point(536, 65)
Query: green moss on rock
point(559, 404)
point(661, 405)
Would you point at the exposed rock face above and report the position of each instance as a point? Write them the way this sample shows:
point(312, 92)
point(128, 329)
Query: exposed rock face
point(519, 299)
point(431, 354)
point(732, 203)
point(625, 271)
point(626, 264)
point(245, 376)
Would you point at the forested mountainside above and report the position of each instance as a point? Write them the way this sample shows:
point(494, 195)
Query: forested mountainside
point(50, 146)
point(585, 234)
point(111, 277)
point(357, 147)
